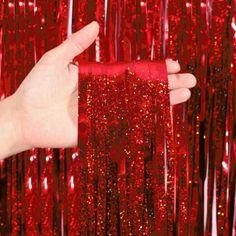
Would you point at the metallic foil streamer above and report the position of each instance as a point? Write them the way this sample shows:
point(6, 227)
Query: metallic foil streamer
point(117, 147)
point(189, 191)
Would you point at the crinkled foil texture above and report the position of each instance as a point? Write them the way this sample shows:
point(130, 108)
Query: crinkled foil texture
point(55, 191)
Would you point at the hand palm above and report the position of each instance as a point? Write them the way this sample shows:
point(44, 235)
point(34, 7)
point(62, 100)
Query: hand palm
point(48, 98)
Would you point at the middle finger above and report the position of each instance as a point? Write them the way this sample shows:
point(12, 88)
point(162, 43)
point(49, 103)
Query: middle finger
point(184, 80)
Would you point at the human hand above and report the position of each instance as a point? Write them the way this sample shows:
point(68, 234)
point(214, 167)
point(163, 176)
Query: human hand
point(48, 96)
point(46, 103)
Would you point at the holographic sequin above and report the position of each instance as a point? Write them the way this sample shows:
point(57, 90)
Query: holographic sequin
point(124, 153)
point(43, 191)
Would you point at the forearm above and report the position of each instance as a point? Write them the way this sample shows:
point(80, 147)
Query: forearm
point(10, 133)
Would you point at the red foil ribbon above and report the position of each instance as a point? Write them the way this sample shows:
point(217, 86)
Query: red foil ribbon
point(126, 149)
point(201, 35)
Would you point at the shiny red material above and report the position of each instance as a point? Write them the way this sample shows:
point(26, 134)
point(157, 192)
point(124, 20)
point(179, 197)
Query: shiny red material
point(70, 191)
point(126, 160)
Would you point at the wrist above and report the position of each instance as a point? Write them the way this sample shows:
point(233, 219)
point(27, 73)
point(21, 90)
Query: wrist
point(11, 140)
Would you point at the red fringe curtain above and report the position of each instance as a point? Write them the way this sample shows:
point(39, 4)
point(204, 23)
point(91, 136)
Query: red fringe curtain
point(41, 191)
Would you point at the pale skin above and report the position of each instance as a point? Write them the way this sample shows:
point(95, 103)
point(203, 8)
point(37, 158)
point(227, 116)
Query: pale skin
point(43, 111)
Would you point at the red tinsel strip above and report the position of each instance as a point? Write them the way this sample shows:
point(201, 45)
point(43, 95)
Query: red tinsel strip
point(219, 61)
point(46, 194)
point(183, 165)
point(196, 33)
point(31, 200)
point(190, 60)
point(120, 146)
point(232, 134)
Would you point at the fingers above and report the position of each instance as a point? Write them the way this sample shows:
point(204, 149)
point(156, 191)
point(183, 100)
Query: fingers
point(180, 85)
point(172, 66)
point(179, 96)
point(75, 44)
point(185, 80)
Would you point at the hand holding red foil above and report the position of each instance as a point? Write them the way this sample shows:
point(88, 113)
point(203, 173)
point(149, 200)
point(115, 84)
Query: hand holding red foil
point(46, 102)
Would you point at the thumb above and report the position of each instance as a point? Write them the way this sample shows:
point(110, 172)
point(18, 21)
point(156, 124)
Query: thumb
point(76, 43)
